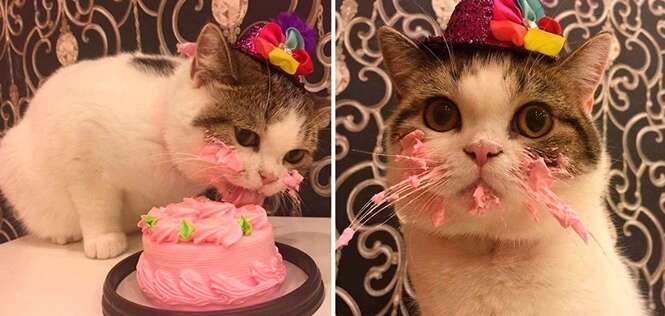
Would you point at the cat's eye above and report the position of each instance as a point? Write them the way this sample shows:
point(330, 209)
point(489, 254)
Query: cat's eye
point(295, 156)
point(442, 115)
point(533, 120)
point(247, 137)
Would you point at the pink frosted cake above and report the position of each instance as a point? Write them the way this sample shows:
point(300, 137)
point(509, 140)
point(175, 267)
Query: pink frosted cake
point(201, 255)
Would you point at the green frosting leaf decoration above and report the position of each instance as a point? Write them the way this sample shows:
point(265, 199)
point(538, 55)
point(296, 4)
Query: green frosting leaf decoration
point(186, 230)
point(245, 226)
point(149, 220)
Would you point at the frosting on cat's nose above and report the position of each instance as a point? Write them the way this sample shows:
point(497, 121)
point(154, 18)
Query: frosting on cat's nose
point(267, 177)
point(482, 151)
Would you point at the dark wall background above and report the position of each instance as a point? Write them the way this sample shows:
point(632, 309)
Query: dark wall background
point(629, 110)
point(38, 37)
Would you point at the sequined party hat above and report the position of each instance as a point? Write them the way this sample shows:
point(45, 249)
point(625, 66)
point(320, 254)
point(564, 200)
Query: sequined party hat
point(285, 43)
point(516, 24)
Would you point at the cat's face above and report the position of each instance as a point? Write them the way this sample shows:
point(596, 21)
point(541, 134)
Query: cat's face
point(271, 123)
point(482, 112)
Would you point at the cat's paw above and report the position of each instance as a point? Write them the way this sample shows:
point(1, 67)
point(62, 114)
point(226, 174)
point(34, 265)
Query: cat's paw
point(105, 246)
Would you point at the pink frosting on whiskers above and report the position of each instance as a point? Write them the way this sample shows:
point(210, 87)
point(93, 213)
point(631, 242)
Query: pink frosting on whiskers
point(293, 179)
point(187, 49)
point(379, 197)
point(383, 196)
point(538, 186)
point(221, 155)
point(484, 199)
point(415, 181)
point(412, 155)
point(412, 143)
point(345, 237)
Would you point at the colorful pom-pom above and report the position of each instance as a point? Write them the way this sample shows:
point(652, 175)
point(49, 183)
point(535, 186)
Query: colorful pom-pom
point(543, 42)
point(549, 25)
point(507, 31)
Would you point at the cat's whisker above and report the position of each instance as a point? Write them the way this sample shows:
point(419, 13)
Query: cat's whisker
point(389, 155)
point(423, 189)
point(378, 208)
point(390, 191)
point(396, 189)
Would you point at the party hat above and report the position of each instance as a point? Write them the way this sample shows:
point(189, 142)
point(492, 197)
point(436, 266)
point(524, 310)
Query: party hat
point(516, 24)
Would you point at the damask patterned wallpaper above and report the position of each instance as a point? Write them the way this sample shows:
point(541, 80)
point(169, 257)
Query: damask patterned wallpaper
point(38, 37)
point(629, 110)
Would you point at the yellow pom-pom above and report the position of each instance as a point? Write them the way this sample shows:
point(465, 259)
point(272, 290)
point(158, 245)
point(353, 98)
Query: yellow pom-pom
point(543, 42)
point(283, 60)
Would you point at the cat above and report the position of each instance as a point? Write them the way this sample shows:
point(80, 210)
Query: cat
point(480, 110)
point(105, 140)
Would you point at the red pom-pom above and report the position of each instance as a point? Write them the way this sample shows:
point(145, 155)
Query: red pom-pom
point(549, 25)
point(306, 67)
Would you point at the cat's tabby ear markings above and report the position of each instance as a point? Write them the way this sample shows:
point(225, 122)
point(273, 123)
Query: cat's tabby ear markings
point(321, 119)
point(586, 65)
point(401, 56)
point(213, 58)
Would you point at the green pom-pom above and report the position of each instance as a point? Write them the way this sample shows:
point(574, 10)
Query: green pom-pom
point(245, 226)
point(186, 230)
point(149, 220)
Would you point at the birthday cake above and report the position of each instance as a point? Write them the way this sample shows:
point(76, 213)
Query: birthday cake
point(201, 255)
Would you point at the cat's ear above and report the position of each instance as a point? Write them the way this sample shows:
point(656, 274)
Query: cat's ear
point(586, 65)
point(214, 58)
point(401, 56)
point(321, 117)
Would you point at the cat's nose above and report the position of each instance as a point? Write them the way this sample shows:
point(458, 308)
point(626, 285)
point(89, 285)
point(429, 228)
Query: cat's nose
point(482, 151)
point(267, 177)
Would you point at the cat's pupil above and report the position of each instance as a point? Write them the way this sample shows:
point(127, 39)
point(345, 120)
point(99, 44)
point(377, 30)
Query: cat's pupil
point(443, 114)
point(535, 119)
point(247, 138)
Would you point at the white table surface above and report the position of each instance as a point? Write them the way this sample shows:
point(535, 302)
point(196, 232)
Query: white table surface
point(40, 278)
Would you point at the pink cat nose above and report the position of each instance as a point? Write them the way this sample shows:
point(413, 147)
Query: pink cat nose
point(482, 151)
point(267, 177)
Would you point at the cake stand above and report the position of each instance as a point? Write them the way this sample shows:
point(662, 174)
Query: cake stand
point(303, 297)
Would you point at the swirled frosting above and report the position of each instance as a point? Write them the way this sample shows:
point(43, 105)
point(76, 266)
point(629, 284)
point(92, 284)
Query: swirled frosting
point(201, 255)
point(200, 220)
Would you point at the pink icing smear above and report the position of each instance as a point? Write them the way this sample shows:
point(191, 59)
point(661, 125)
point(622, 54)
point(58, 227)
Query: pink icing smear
point(345, 237)
point(438, 210)
point(292, 180)
point(187, 49)
point(222, 156)
point(379, 197)
point(228, 163)
point(412, 156)
point(484, 200)
point(236, 195)
point(538, 186)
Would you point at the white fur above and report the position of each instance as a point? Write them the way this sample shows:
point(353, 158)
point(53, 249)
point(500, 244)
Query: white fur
point(505, 263)
point(103, 142)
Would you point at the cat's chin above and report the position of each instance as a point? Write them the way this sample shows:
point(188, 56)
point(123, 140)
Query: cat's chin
point(511, 221)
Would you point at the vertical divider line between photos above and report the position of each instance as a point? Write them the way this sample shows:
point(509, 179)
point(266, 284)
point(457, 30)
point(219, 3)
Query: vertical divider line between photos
point(333, 154)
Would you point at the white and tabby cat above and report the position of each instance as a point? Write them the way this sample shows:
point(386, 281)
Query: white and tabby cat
point(104, 140)
point(481, 109)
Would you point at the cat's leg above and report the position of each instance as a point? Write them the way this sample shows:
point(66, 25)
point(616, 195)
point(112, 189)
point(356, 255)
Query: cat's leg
point(99, 206)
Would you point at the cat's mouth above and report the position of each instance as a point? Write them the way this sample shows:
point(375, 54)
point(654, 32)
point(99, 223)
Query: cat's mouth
point(473, 185)
point(238, 195)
